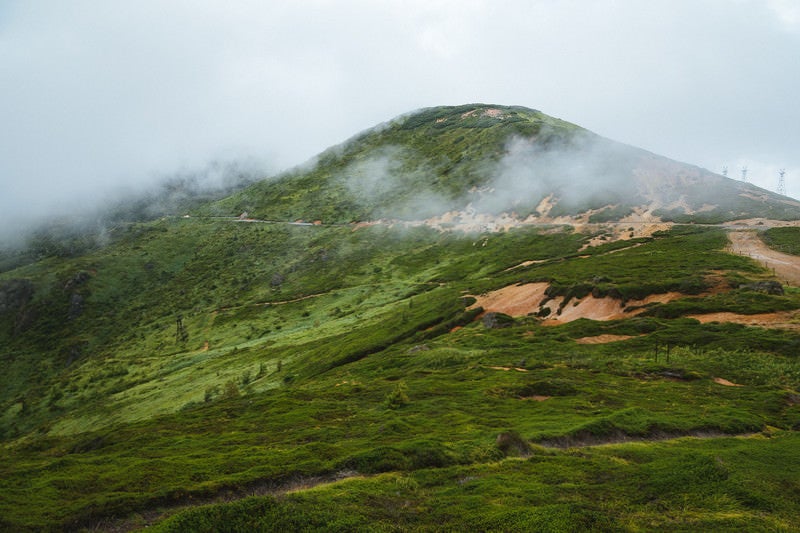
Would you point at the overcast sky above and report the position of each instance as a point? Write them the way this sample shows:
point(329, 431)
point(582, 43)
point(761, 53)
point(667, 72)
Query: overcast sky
point(95, 95)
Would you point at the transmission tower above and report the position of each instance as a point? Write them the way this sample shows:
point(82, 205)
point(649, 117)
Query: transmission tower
point(744, 174)
point(781, 182)
point(725, 171)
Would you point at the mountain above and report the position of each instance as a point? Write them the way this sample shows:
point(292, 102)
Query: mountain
point(431, 325)
point(493, 159)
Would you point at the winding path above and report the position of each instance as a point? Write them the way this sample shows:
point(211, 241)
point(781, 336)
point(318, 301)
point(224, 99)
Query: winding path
point(785, 266)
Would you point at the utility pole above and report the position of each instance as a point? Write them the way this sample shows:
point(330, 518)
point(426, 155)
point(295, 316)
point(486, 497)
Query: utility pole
point(781, 182)
point(744, 174)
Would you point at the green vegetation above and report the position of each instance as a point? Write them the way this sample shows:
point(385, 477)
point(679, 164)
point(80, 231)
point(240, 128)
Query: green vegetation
point(683, 485)
point(785, 240)
point(395, 169)
point(352, 359)
point(194, 370)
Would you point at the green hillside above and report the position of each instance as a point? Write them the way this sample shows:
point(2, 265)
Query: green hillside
point(210, 372)
point(497, 159)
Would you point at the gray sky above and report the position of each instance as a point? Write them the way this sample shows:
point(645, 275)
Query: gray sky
point(95, 95)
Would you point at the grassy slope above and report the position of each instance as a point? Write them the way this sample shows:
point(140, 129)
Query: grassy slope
point(318, 349)
point(350, 392)
point(432, 153)
point(451, 153)
point(785, 240)
point(686, 485)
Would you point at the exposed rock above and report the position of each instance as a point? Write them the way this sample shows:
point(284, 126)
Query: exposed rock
point(15, 294)
point(73, 353)
point(24, 319)
point(512, 443)
point(768, 287)
point(468, 301)
point(497, 320)
point(419, 348)
point(75, 306)
point(77, 280)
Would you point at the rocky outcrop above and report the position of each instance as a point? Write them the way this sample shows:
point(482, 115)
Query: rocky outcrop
point(75, 306)
point(77, 280)
point(768, 287)
point(497, 320)
point(77, 298)
point(15, 297)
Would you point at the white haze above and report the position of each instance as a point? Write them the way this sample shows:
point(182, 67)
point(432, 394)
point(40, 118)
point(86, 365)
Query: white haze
point(96, 96)
point(586, 168)
point(100, 210)
point(528, 172)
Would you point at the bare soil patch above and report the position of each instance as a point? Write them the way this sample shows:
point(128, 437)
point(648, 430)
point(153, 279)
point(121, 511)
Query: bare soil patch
point(526, 299)
point(606, 308)
point(778, 320)
point(603, 339)
point(619, 437)
point(514, 300)
point(527, 263)
point(723, 381)
point(507, 368)
point(158, 512)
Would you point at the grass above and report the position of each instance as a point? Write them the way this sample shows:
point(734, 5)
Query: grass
point(715, 484)
point(785, 240)
point(454, 404)
point(209, 358)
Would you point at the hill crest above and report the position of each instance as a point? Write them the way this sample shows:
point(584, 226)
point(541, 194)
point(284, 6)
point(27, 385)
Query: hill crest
point(501, 162)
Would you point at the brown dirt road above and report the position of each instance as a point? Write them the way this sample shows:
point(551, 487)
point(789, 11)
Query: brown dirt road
point(786, 266)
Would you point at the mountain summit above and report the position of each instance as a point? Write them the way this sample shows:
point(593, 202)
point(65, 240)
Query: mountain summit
point(494, 160)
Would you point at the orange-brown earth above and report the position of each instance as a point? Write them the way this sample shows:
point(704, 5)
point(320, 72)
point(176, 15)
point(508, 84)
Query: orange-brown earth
point(529, 298)
point(785, 266)
point(779, 320)
point(603, 339)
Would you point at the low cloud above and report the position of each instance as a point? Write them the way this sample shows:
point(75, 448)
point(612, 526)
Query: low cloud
point(89, 215)
point(585, 170)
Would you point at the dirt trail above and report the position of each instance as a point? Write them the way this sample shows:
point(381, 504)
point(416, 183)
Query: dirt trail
point(156, 513)
point(620, 437)
point(785, 266)
point(781, 319)
point(605, 338)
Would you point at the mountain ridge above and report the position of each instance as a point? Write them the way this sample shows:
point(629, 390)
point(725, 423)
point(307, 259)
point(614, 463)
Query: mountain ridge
point(499, 159)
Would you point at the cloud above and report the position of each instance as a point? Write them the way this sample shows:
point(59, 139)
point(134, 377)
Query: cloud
point(100, 94)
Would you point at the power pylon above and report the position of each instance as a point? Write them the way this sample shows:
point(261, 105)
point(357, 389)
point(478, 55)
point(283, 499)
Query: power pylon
point(744, 174)
point(782, 182)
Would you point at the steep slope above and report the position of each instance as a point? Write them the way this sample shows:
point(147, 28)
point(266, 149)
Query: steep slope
point(208, 357)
